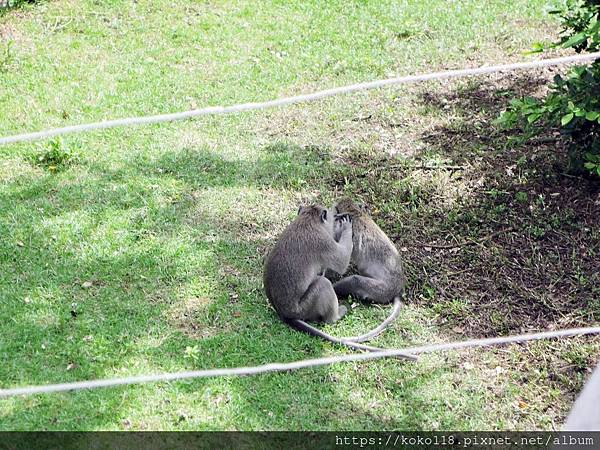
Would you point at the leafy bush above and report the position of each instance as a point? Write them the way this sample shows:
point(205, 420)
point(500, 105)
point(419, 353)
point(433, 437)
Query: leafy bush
point(13, 3)
point(573, 103)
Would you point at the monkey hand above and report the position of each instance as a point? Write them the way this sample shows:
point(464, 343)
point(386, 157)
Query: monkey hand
point(344, 218)
point(342, 223)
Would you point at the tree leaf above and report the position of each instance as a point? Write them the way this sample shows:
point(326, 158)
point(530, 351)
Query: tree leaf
point(592, 115)
point(537, 47)
point(575, 40)
point(566, 119)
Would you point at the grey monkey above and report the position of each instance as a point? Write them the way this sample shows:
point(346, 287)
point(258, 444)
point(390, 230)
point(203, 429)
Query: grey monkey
point(294, 270)
point(380, 276)
point(293, 273)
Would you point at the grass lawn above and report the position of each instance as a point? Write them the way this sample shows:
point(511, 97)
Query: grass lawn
point(121, 248)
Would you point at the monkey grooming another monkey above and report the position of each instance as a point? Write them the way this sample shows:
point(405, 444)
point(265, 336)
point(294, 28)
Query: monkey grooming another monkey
point(293, 272)
point(293, 278)
point(380, 276)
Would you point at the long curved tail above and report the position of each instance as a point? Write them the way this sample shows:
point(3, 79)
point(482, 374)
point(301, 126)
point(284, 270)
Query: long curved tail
point(305, 327)
point(377, 331)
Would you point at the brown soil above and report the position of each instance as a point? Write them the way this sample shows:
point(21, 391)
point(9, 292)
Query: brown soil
point(496, 235)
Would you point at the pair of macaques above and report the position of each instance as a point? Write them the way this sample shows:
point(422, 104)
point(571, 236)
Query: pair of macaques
point(322, 239)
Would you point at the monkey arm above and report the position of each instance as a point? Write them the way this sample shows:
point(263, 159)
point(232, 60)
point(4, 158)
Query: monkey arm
point(338, 257)
point(337, 230)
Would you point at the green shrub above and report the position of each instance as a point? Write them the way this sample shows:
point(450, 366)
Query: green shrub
point(573, 103)
point(14, 3)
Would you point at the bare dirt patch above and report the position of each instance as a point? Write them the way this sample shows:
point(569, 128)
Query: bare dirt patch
point(496, 236)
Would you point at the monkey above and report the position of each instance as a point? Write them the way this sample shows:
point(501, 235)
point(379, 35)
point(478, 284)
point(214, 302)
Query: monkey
point(380, 276)
point(293, 272)
point(294, 268)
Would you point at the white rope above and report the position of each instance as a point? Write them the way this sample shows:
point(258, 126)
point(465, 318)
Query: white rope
point(281, 367)
point(295, 99)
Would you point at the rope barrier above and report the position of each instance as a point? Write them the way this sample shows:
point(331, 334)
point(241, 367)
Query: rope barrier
point(282, 367)
point(295, 99)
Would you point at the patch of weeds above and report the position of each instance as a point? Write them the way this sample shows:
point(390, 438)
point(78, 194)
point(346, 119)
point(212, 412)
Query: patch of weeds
point(413, 196)
point(429, 293)
point(594, 306)
point(493, 193)
point(55, 156)
point(192, 353)
point(578, 357)
point(592, 163)
point(580, 276)
point(522, 161)
point(521, 197)
point(498, 211)
point(454, 308)
point(404, 34)
point(458, 307)
point(7, 56)
point(498, 319)
point(537, 231)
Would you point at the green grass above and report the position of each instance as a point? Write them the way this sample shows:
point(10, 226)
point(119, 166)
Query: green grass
point(120, 248)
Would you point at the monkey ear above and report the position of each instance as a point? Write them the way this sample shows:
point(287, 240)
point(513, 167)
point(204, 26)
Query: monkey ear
point(300, 208)
point(324, 215)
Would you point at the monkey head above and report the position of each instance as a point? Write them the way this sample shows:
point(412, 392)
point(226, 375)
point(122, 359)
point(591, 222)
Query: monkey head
point(318, 214)
point(350, 207)
point(314, 211)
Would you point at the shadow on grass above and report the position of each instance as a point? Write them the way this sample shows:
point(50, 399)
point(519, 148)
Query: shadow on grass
point(129, 263)
point(495, 237)
point(114, 267)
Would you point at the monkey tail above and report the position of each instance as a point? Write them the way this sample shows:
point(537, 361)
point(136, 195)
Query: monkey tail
point(377, 331)
point(305, 327)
